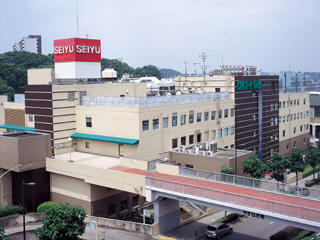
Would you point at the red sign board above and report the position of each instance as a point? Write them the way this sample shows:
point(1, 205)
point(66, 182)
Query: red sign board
point(77, 50)
point(237, 73)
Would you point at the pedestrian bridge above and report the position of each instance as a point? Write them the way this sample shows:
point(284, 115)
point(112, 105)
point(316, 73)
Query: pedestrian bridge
point(262, 199)
point(166, 184)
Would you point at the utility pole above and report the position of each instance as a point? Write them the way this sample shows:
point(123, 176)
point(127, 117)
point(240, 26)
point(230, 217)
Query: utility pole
point(203, 56)
point(195, 68)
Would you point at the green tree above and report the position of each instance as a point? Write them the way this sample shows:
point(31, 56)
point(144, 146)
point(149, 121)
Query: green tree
point(296, 163)
point(313, 159)
point(62, 222)
point(227, 170)
point(2, 236)
point(278, 166)
point(255, 167)
point(147, 71)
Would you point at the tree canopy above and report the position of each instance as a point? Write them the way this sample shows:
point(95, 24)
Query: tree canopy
point(255, 167)
point(14, 66)
point(62, 222)
point(278, 166)
point(313, 158)
point(227, 170)
point(296, 163)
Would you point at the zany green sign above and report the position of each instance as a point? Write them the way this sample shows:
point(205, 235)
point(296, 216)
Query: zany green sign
point(248, 85)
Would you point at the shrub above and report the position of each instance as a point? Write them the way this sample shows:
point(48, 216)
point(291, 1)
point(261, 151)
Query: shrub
point(10, 209)
point(309, 171)
point(2, 236)
point(229, 218)
point(310, 183)
point(62, 222)
point(45, 206)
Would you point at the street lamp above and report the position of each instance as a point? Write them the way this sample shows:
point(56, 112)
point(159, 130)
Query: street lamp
point(2, 175)
point(30, 184)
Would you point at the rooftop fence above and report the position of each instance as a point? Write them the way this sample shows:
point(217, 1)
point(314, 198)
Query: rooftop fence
point(156, 101)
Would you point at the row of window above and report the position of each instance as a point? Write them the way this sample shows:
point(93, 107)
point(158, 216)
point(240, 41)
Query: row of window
point(290, 103)
point(305, 127)
point(183, 119)
point(295, 116)
point(199, 137)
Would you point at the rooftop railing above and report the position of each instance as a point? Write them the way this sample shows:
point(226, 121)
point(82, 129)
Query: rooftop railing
point(259, 184)
point(156, 101)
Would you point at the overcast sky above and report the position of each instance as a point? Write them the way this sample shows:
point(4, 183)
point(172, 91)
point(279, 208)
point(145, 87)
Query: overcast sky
point(274, 34)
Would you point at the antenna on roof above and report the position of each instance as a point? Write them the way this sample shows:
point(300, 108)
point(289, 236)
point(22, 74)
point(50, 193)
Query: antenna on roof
point(77, 18)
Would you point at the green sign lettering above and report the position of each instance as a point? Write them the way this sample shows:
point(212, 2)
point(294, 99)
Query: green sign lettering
point(248, 85)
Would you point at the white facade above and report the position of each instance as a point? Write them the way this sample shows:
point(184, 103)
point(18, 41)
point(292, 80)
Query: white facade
point(77, 70)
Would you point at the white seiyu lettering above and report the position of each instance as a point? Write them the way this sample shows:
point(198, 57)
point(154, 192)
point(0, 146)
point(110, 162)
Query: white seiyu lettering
point(79, 49)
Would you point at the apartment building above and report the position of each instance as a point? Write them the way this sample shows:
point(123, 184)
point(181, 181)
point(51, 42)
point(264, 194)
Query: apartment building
point(147, 127)
point(31, 43)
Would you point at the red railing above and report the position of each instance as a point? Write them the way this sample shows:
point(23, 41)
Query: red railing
point(238, 199)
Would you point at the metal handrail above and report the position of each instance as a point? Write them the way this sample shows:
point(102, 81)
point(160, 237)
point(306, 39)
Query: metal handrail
point(235, 194)
point(243, 182)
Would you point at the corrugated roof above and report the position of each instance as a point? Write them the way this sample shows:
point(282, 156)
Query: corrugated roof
point(18, 128)
point(102, 138)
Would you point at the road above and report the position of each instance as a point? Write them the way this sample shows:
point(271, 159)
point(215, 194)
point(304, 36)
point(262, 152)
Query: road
point(254, 229)
point(243, 229)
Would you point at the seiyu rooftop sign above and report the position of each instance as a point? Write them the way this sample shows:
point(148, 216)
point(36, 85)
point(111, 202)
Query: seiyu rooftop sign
point(248, 85)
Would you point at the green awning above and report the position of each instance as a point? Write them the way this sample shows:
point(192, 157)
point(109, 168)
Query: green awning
point(18, 128)
point(102, 138)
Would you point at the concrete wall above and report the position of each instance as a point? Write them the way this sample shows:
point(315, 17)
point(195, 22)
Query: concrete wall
point(40, 76)
point(5, 188)
point(166, 214)
point(3, 100)
point(124, 225)
point(20, 150)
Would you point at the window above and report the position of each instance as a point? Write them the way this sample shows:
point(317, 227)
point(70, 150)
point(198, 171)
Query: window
point(217, 89)
point(231, 130)
point(199, 115)
point(284, 104)
point(301, 128)
point(88, 121)
point(155, 124)
point(191, 116)
point(294, 144)
point(87, 144)
point(213, 134)
point(298, 102)
point(294, 130)
point(232, 112)
point(294, 102)
point(220, 114)
point(145, 125)
point(165, 122)
point(206, 116)
point(174, 142)
point(254, 116)
point(174, 119)
point(220, 133)
point(272, 121)
point(188, 165)
point(111, 209)
point(226, 113)
point(226, 132)
point(304, 101)
point(280, 119)
point(81, 94)
point(279, 104)
point(198, 137)
point(122, 95)
point(287, 147)
point(135, 200)
point(191, 139)
point(71, 96)
point(183, 119)
point(183, 141)
point(123, 205)
point(283, 133)
point(213, 115)
point(206, 135)
point(272, 107)
point(30, 118)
